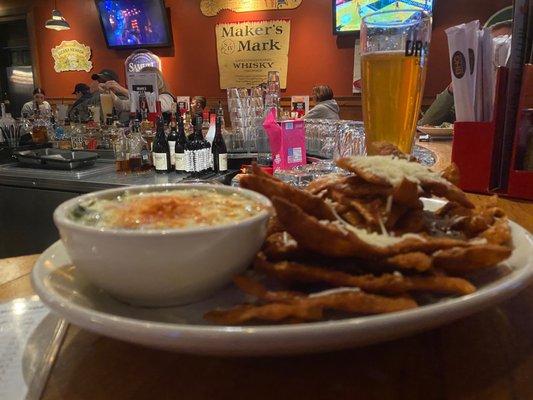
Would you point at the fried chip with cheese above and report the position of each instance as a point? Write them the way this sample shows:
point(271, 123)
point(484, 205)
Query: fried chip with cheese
point(384, 284)
point(312, 307)
point(355, 232)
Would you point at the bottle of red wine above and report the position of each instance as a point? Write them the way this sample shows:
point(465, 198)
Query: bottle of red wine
point(218, 148)
point(179, 148)
point(193, 148)
point(171, 138)
point(160, 150)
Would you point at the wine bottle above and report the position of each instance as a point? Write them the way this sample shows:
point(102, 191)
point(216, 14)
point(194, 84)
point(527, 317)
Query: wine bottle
point(179, 148)
point(218, 148)
point(171, 138)
point(160, 150)
point(193, 147)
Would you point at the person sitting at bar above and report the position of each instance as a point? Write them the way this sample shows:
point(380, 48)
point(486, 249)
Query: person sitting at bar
point(123, 104)
point(80, 108)
point(326, 107)
point(198, 105)
point(37, 101)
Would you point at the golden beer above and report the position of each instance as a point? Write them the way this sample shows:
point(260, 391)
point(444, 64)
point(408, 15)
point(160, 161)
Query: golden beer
point(392, 92)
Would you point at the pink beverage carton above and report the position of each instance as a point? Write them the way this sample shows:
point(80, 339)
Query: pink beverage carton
point(292, 151)
point(287, 142)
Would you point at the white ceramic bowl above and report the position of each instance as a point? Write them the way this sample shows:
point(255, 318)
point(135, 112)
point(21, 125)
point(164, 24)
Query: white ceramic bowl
point(162, 267)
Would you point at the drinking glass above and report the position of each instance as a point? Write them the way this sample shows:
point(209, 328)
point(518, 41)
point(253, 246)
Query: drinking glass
point(394, 52)
point(106, 102)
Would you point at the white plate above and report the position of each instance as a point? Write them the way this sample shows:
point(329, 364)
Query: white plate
point(68, 293)
point(435, 130)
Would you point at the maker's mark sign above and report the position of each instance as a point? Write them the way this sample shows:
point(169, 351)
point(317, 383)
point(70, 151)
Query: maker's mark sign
point(248, 50)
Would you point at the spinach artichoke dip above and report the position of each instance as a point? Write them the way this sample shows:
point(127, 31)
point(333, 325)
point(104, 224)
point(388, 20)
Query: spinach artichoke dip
point(186, 208)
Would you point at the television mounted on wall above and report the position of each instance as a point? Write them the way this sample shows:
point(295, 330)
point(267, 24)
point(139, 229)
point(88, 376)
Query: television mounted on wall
point(347, 14)
point(131, 24)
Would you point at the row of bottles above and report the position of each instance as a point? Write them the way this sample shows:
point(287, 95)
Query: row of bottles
point(192, 155)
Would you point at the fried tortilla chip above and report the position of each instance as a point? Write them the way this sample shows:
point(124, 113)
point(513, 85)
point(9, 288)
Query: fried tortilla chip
point(471, 258)
point(324, 182)
point(356, 187)
point(407, 194)
point(274, 312)
point(498, 233)
point(385, 284)
point(451, 173)
point(311, 308)
point(256, 289)
point(310, 233)
point(448, 191)
point(274, 226)
point(390, 170)
point(258, 171)
point(281, 246)
point(311, 204)
point(416, 261)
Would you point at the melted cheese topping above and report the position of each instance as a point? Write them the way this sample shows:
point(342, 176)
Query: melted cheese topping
point(394, 170)
point(172, 209)
point(372, 238)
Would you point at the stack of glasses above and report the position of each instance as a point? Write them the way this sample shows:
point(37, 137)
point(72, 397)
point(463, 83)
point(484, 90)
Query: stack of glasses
point(246, 112)
point(326, 138)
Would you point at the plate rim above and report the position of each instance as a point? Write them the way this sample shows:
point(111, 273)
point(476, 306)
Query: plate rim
point(432, 130)
point(452, 308)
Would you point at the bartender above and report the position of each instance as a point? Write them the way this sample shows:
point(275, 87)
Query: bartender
point(37, 101)
point(100, 83)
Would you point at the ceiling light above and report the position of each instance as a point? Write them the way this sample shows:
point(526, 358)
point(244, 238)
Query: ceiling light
point(57, 22)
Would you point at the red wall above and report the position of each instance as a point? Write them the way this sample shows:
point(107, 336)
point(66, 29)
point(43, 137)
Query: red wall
point(190, 67)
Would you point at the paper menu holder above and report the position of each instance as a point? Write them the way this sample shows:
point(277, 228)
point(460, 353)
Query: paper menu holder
point(521, 181)
point(476, 145)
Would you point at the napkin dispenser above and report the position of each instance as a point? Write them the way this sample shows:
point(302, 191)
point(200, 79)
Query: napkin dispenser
point(476, 145)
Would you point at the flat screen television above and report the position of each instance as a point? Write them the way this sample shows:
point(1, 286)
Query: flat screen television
point(347, 14)
point(130, 24)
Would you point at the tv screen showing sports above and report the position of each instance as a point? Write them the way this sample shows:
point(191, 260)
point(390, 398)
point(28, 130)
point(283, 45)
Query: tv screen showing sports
point(134, 23)
point(347, 14)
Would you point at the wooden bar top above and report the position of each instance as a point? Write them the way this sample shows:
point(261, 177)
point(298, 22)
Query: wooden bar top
point(486, 356)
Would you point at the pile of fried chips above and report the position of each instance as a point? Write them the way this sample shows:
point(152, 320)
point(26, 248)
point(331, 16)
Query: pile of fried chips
point(360, 242)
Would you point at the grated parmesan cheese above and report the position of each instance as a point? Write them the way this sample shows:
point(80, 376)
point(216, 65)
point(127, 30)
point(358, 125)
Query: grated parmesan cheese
point(335, 291)
point(395, 170)
point(372, 238)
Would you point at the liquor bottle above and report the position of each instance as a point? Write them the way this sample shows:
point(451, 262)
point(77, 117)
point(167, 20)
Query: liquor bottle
point(218, 148)
point(146, 126)
point(143, 104)
point(179, 149)
point(206, 154)
point(39, 131)
point(160, 150)
point(192, 147)
point(171, 138)
point(135, 145)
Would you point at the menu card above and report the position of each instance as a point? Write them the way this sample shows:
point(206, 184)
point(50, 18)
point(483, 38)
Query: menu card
point(18, 320)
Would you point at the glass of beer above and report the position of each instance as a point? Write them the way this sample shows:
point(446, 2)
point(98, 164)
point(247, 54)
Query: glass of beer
point(106, 102)
point(394, 51)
